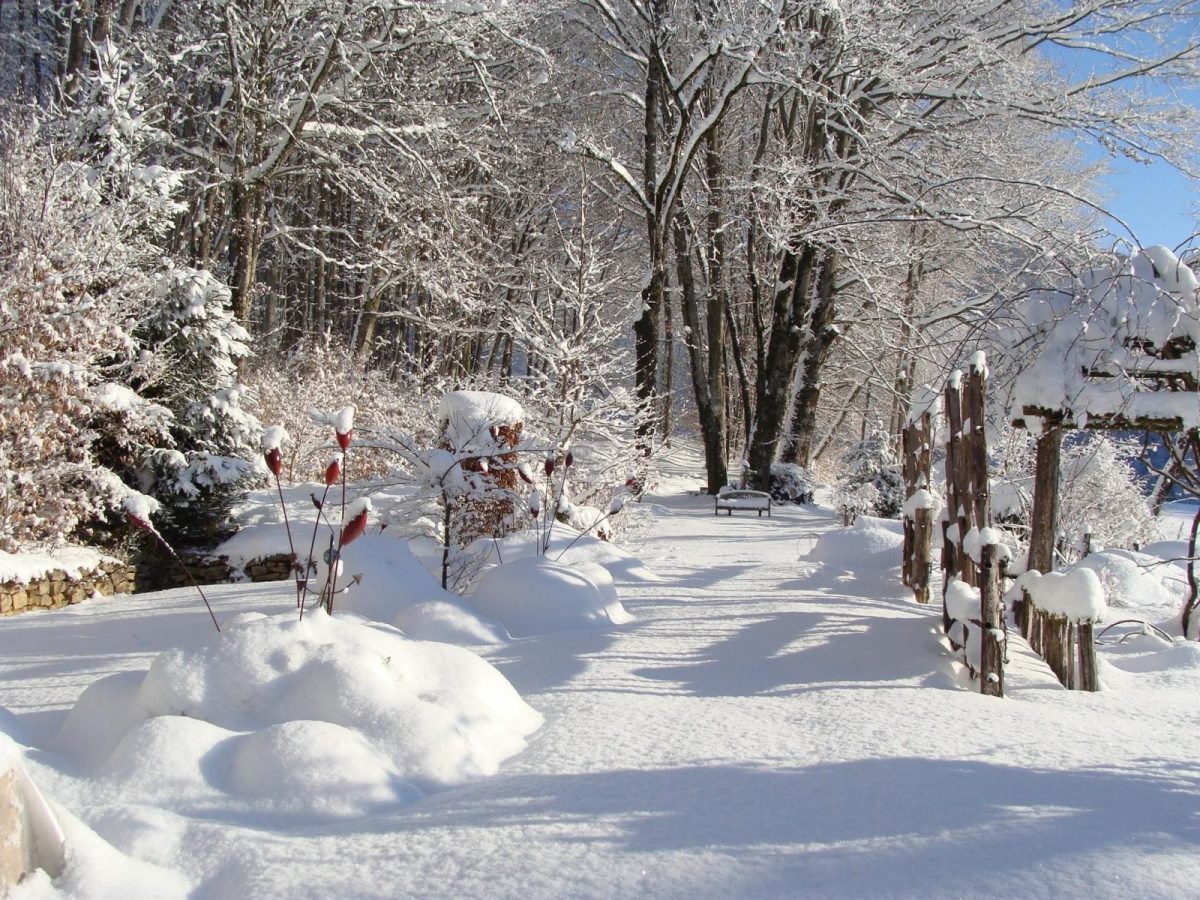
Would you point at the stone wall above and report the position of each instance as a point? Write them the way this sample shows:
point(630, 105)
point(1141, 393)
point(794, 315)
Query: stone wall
point(56, 589)
point(160, 574)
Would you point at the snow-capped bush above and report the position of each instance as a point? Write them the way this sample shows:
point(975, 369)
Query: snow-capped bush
point(870, 482)
point(75, 275)
point(1102, 495)
point(197, 344)
point(324, 374)
point(791, 483)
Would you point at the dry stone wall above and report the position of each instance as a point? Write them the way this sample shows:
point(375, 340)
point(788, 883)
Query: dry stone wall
point(57, 589)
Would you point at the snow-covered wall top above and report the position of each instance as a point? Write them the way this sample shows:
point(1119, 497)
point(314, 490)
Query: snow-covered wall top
point(1103, 348)
point(471, 415)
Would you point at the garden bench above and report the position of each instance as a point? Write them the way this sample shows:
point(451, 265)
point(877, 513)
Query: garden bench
point(740, 499)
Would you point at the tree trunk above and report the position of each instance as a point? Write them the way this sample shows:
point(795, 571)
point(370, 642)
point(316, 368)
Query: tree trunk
point(773, 394)
point(819, 337)
point(712, 425)
point(77, 42)
point(243, 251)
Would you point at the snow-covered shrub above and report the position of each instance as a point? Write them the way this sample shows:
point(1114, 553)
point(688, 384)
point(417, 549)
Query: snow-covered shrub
point(1102, 495)
point(74, 278)
point(870, 482)
point(325, 716)
point(854, 500)
point(213, 455)
point(791, 483)
point(324, 374)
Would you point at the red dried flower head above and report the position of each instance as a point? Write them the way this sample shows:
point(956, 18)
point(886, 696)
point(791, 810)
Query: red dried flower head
point(343, 438)
point(549, 467)
point(274, 461)
point(570, 458)
point(333, 472)
point(355, 528)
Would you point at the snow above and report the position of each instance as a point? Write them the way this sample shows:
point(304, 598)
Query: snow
point(1075, 593)
point(538, 595)
point(343, 422)
point(76, 562)
point(470, 414)
point(920, 499)
point(1138, 584)
point(773, 723)
point(1101, 326)
point(325, 716)
point(273, 438)
point(962, 601)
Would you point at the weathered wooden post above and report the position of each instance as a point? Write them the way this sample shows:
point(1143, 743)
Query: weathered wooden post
point(960, 504)
point(991, 665)
point(1088, 680)
point(916, 442)
point(975, 436)
point(1044, 520)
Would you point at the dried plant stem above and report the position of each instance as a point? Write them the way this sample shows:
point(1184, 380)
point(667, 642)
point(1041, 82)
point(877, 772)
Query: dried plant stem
point(188, 573)
point(291, 546)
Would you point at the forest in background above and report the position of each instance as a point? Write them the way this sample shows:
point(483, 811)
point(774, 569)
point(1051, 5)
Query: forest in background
point(768, 221)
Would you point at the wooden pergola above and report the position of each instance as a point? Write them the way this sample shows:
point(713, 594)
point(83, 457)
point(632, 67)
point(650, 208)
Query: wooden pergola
point(1125, 352)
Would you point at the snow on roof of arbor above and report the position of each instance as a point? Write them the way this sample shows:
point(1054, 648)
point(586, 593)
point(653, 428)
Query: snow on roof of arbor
point(470, 415)
point(1103, 349)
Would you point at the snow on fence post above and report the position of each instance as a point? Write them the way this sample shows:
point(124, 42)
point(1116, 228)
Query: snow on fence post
point(1062, 610)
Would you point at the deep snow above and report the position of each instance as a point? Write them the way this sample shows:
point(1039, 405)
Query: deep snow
point(779, 719)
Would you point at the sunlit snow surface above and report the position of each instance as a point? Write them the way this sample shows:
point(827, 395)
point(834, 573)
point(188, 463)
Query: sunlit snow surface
point(774, 723)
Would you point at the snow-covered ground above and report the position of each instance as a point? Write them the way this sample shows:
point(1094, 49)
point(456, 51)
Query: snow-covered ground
point(778, 719)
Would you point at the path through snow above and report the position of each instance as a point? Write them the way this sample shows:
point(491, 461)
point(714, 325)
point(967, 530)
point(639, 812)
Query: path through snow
point(766, 727)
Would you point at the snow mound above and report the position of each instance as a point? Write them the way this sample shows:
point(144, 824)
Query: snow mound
point(449, 622)
point(1137, 582)
point(396, 588)
point(394, 585)
point(868, 544)
point(536, 595)
point(325, 716)
point(568, 546)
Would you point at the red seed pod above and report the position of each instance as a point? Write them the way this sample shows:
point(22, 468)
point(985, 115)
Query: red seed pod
point(274, 461)
point(523, 471)
point(333, 472)
point(549, 467)
point(343, 438)
point(355, 528)
point(570, 458)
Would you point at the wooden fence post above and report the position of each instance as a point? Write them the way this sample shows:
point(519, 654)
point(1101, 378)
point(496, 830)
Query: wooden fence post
point(922, 554)
point(959, 503)
point(1088, 680)
point(918, 523)
point(991, 666)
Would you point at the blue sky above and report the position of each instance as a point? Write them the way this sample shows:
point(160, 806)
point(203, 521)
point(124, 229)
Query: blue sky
point(1157, 202)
